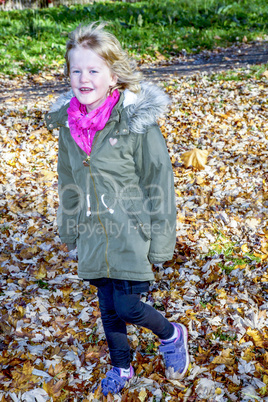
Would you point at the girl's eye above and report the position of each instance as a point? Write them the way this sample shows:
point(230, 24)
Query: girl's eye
point(75, 72)
point(93, 71)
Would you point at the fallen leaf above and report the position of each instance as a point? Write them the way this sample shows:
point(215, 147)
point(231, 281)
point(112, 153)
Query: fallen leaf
point(196, 158)
point(225, 357)
point(257, 338)
point(142, 395)
point(245, 248)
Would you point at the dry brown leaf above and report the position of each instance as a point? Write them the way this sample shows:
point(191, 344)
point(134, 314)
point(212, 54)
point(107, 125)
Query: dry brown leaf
point(225, 358)
point(196, 158)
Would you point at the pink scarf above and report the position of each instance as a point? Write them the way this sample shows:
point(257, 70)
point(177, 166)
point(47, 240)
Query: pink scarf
point(83, 126)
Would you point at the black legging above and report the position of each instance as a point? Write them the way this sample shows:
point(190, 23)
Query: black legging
point(119, 303)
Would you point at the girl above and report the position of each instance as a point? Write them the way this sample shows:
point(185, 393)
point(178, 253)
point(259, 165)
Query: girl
point(117, 201)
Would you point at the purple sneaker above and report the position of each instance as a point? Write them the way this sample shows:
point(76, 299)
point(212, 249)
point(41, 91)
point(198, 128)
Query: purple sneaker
point(176, 355)
point(115, 381)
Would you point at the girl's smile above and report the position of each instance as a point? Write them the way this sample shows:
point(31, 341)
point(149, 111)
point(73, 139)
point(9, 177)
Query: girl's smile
point(91, 78)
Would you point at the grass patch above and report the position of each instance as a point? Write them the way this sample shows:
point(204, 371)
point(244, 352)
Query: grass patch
point(42, 284)
point(4, 228)
point(224, 336)
point(34, 40)
point(151, 348)
point(232, 256)
point(255, 71)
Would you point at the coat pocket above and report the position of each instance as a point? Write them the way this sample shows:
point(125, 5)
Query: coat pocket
point(141, 220)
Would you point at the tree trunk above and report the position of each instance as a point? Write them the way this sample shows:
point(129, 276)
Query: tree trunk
point(43, 3)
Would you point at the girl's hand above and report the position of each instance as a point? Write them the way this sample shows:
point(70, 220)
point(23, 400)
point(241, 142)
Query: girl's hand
point(68, 247)
point(159, 265)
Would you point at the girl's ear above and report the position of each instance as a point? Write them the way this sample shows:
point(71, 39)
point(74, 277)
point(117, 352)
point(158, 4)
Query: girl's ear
point(114, 80)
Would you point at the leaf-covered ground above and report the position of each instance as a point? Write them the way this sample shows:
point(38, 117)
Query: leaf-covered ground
point(52, 346)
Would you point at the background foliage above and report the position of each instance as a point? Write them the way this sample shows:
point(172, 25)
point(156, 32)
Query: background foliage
point(34, 39)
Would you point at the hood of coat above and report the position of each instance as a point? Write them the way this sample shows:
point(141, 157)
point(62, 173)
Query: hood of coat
point(142, 109)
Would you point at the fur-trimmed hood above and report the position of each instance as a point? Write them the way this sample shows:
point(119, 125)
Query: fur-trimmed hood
point(143, 109)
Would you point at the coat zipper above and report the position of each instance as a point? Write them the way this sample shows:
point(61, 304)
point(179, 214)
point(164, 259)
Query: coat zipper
point(98, 208)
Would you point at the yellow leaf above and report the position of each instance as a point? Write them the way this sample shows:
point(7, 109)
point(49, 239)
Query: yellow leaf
point(233, 388)
point(199, 180)
point(222, 294)
point(240, 266)
point(265, 379)
point(218, 391)
point(11, 163)
point(245, 248)
point(257, 338)
point(261, 256)
point(142, 395)
point(21, 310)
point(41, 273)
point(248, 354)
point(46, 175)
point(27, 368)
point(196, 158)
point(263, 390)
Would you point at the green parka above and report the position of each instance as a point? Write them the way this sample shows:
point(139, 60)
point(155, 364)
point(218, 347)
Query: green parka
point(118, 205)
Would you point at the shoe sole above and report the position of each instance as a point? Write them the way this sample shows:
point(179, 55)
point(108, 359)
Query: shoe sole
point(175, 375)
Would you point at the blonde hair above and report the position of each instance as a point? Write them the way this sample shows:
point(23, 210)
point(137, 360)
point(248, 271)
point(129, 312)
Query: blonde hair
point(107, 46)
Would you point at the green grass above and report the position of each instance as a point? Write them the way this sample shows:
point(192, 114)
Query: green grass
point(254, 71)
point(224, 336)
point(232, 255)
point(34, 40)
point(4, 228)
point(42, 284)
point(151, 348)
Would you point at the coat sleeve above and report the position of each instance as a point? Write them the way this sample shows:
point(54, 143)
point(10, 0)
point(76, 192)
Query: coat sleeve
point(69, 196)
point(157, 181)
point(69, 192)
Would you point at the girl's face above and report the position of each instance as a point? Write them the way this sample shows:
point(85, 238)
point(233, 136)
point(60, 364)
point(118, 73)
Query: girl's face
point(90, 76)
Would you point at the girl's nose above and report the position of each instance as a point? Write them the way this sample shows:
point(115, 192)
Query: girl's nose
point(84, 77)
